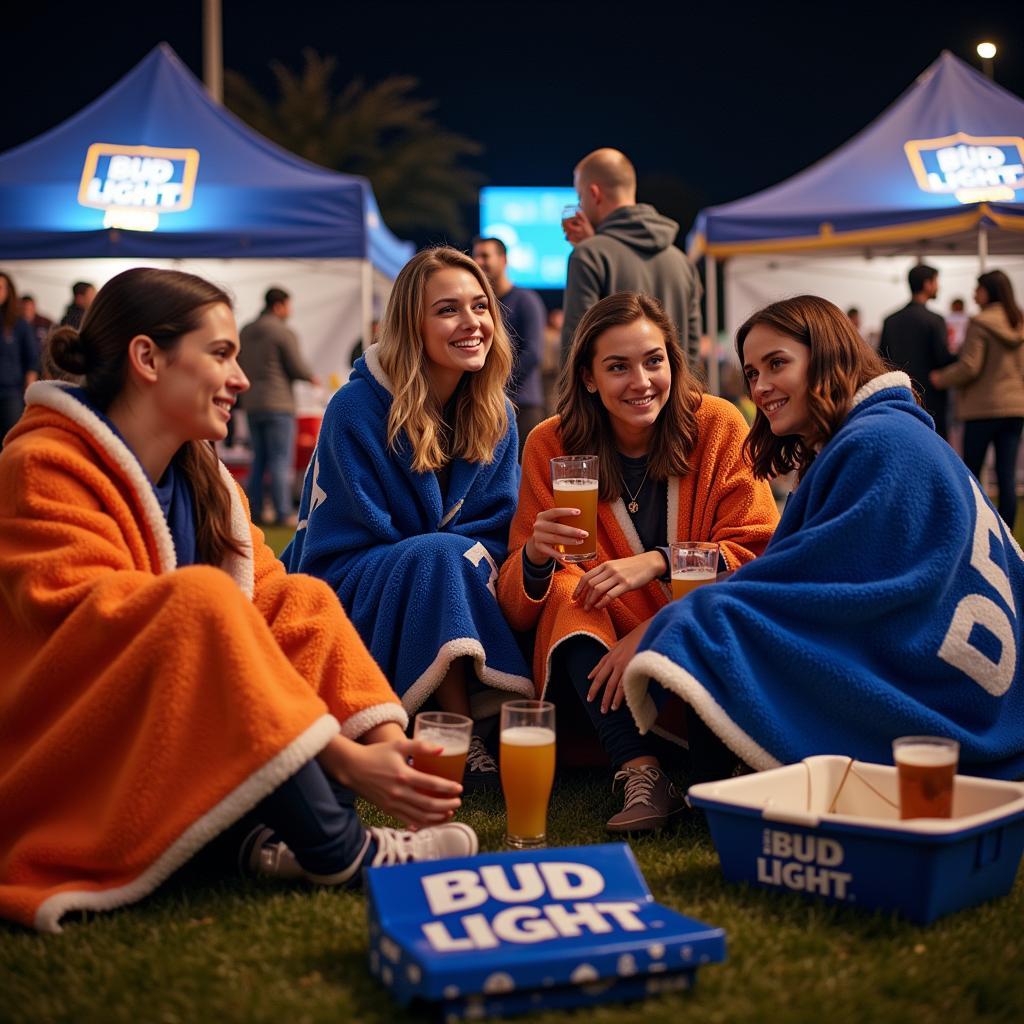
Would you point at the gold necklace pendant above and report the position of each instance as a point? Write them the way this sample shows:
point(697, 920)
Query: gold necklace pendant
point(633, 507)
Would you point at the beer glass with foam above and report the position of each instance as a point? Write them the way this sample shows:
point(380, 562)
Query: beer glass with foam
point(450, 732)
point(574, 482)
point(527, 761)
point(694, 563)
point(926, 767)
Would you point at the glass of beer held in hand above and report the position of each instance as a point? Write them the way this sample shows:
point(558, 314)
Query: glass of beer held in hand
point(694, 563)
point(527, 769)
point(926, 767)
point(574, 482)
point(449, 732)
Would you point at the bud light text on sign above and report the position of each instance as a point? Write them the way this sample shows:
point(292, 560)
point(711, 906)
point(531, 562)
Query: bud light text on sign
point(135, 184)
point(971, 168)
point(804, 863)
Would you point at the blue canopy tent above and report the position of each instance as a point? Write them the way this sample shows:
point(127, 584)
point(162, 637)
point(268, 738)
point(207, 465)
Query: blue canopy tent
point(154, 170)
point(940, 171)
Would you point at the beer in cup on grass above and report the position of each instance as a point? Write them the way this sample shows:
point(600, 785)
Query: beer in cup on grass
point(527, 761)
point(574, 482)
point(926, 767)
point(450, 732)
point(694, 563)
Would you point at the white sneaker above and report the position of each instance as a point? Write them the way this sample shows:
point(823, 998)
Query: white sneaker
point(269, 859)
point(395, 846)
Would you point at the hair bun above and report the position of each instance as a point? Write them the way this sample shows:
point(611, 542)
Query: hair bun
point(67, 351)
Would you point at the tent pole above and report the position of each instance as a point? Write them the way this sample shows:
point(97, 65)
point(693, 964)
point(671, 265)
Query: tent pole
point(982, 248)
point(367, 311)
point(711, 320)
point(213, 51)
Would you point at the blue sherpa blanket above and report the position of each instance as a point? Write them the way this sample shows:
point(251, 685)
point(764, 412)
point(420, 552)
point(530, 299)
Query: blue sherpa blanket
point(416, 574)
point(888, 603)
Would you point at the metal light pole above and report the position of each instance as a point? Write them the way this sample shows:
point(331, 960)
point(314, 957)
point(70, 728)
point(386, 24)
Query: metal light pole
point(987, 53)
point(213, 50)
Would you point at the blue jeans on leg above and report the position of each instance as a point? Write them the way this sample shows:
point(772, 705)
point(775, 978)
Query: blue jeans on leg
point(1004, 433)
point(273, 439)
point(316, 817)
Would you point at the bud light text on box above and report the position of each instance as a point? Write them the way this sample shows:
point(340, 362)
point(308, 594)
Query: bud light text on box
point(506, 923)
point(117, 177)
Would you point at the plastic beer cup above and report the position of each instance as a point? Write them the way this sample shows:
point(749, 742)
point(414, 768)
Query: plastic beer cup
point(926, 766)
point(450, 732)
point(694, 563)
point(574, 481)
point(568, 212)
point(527, 769)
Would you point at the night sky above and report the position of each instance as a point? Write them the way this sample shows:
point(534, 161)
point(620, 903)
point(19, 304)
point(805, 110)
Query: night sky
point(711, 103)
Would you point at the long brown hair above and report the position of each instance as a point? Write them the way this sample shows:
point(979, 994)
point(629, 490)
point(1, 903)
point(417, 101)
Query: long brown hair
point(584, 424)
point(481, 417)
point(1000, 290)
point(840, 363)
point(164, 305)
point(10, 308)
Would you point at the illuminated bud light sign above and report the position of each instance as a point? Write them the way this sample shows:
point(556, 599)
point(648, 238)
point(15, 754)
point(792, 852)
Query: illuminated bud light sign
point(135, 184)
point(973, 169)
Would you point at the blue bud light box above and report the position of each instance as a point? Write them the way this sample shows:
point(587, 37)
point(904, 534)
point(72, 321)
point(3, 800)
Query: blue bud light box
point(507, 933)
point(529, 221)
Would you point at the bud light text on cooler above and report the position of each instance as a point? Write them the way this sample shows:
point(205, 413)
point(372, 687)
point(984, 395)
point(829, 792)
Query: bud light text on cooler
point(803, 863)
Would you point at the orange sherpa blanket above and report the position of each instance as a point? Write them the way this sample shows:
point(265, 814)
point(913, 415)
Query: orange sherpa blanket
point(143, 708)
point(719, 501)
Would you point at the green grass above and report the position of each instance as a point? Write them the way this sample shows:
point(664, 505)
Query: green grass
point(211, 947)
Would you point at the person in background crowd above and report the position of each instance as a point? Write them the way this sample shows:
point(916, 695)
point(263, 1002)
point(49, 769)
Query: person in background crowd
point(914, 339)
point(623, 246)
point(853, 314)
point(41, 325)
point(676, 456)
point(272, 360)
point(552, 358)
point(956, 325)
point(19, 356)
point(82, 294)
point(164, 678)
point(406, 508)
point(523, 313)
point(989, 371)
point(887, 603)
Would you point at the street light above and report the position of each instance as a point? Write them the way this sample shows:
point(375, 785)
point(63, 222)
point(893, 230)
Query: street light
point(987, 52)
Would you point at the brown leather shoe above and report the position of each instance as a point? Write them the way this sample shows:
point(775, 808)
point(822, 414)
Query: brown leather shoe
point(650, 800)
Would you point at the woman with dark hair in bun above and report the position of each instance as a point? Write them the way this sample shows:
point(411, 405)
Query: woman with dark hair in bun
point(164, 678)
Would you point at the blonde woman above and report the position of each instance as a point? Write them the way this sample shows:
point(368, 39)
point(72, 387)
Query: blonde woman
point(406, 508)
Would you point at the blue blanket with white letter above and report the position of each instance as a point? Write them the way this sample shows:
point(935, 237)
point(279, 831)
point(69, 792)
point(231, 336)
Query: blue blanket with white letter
point(888, 603)
point(415, 570)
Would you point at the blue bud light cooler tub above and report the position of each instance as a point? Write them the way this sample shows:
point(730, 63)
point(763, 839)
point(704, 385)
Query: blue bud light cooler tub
point(505, 933)
point(830, 827)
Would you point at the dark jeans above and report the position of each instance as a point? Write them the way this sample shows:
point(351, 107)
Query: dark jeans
point(273, 438)
point(316, 817)
point(11, 408)
point(1005, 434)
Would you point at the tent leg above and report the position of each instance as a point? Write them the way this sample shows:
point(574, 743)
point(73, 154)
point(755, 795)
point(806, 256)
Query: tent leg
point(711, 303)
point(982, 248)
point(367, 296)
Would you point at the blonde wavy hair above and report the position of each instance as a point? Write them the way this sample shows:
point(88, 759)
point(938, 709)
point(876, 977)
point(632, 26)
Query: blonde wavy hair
point(481, 418)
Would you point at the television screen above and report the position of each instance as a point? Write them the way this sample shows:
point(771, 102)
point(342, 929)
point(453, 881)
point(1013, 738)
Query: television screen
point(529, 221)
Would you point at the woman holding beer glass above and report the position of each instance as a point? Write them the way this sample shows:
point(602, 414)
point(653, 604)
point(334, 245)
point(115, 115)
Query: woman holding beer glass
point(406, 507)
point(669, 468)
point(164, 678)
point(888, 603)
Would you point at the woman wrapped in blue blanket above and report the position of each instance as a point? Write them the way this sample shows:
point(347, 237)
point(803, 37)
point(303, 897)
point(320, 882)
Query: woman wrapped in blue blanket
point(889, 600)
point(406, 506)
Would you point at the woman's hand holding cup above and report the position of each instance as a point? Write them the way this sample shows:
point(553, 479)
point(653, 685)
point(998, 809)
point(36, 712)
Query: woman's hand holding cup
point(549, 534)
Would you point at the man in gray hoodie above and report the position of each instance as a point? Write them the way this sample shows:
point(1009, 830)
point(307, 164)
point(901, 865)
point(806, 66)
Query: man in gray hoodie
point(629, 249)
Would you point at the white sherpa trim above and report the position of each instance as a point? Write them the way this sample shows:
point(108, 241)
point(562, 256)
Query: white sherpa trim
point(243, 798)
point(372, 359)
point(53, 395)
point(618, 508)
point(363, 721)
point(451, 513)
point(650, 665)
point(462, 647)
point(893, 379)
point(241, 568)
point(673, 511)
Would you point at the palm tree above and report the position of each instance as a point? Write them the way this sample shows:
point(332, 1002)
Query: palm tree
point(380, 131)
